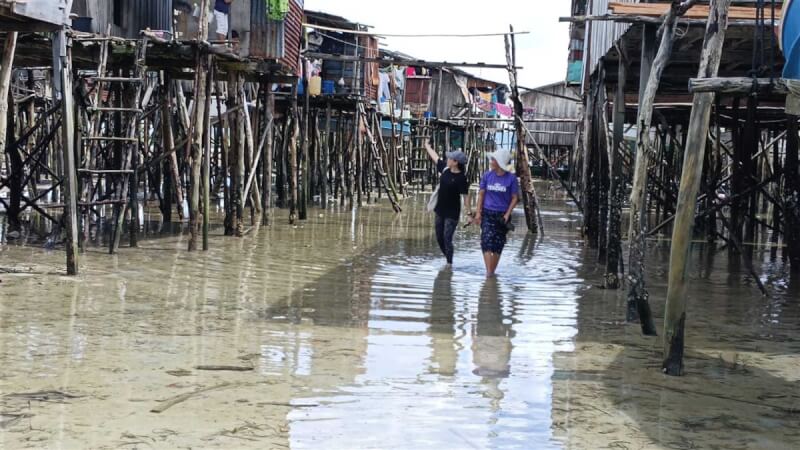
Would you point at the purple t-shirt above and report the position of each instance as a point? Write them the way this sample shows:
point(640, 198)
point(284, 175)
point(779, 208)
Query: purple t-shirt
point(499, 190)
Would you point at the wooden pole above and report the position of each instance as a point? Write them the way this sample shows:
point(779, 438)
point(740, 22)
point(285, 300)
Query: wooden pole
point(791, 195)
point(529, 200)
point(266, 177)
point(617, 187)
point(5, 83)
point(6, 117)
point(675, 312)
point(63, 71)
point(638, 306)
point(201, 77)
point(207, 153)
point(293, 137)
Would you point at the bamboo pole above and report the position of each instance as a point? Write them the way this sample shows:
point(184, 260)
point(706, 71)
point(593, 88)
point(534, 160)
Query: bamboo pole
point(529, 200)
point(675, 312)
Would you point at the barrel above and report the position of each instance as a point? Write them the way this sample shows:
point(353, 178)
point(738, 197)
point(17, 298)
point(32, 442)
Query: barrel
point(328, 87)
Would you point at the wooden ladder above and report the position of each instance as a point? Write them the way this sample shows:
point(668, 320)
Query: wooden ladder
point(111, 142)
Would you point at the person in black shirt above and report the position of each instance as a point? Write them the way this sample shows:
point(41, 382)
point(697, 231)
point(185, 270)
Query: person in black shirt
point(452, 185)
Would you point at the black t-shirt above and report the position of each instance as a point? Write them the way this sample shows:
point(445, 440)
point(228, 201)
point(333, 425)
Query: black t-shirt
point(451, 187)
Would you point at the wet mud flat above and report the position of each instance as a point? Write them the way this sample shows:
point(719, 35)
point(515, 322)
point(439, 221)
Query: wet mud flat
point(348, 332)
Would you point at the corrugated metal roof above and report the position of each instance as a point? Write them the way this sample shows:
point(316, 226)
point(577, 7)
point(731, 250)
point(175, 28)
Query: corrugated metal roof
point(293, 30)
point(603, 33)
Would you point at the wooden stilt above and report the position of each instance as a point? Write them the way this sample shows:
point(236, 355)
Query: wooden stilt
point(638, 306)
point(617, 187)
point(63, 71)
point(197, 141)
point(7, 132)
point(266, 177)
point(207, 131)
point(529, 200)
point(791, 195)
point(675, 312)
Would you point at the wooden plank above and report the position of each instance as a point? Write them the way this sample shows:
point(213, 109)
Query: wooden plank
point(695, 12)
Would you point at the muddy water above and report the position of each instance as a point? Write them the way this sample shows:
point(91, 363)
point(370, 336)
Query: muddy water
point(348, 332)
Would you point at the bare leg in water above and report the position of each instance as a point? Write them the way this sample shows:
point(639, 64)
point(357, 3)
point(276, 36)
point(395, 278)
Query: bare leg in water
point(491, 260)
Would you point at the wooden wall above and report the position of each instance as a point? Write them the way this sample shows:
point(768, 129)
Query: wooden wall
point(548, 107)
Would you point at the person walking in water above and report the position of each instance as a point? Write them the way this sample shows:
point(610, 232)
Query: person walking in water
point(499, 194)
point(452, 185)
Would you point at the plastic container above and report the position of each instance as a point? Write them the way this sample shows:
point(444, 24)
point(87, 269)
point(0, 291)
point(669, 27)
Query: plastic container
point(315, 86)
point(406, 113)
point(328, 87)
point(386, 108)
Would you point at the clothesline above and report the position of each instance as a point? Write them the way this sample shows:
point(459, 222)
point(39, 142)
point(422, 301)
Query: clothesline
point(370, 33)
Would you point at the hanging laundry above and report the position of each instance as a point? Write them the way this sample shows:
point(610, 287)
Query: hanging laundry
point(384, 94)
point(411, 72)
point(278, 9)
point(399, 78)
point(504, 110)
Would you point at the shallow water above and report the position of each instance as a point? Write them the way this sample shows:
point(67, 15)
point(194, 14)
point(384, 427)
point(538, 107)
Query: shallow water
point(357, 337)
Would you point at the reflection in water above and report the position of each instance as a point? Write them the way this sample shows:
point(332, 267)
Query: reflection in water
point(359, 339)
point(491, 342)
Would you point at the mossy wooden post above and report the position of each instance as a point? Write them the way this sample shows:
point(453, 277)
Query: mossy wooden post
point(266, 176)
point(62, 70)
point(523, 166)
point(201, 77)
point(617, 189)
point(241, 144)
point(675, 312)
point(168, 142)
point(638, 305)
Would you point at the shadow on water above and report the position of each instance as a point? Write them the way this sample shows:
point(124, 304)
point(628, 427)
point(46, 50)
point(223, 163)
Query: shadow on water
point(741, 388)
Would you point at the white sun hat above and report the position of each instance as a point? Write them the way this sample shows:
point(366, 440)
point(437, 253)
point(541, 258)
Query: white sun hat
point(502, 156)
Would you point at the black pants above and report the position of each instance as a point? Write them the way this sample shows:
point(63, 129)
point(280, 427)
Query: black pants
point(445, 229)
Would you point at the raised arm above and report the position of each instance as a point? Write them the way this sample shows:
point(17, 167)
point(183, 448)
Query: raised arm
point(431, 152)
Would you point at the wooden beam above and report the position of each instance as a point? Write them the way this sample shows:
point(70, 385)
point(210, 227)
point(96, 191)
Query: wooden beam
point(743, 85)
point(638, 18)
point(404, 62)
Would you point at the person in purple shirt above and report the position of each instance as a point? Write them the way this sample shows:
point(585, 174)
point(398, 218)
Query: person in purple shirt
point(499, 194)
